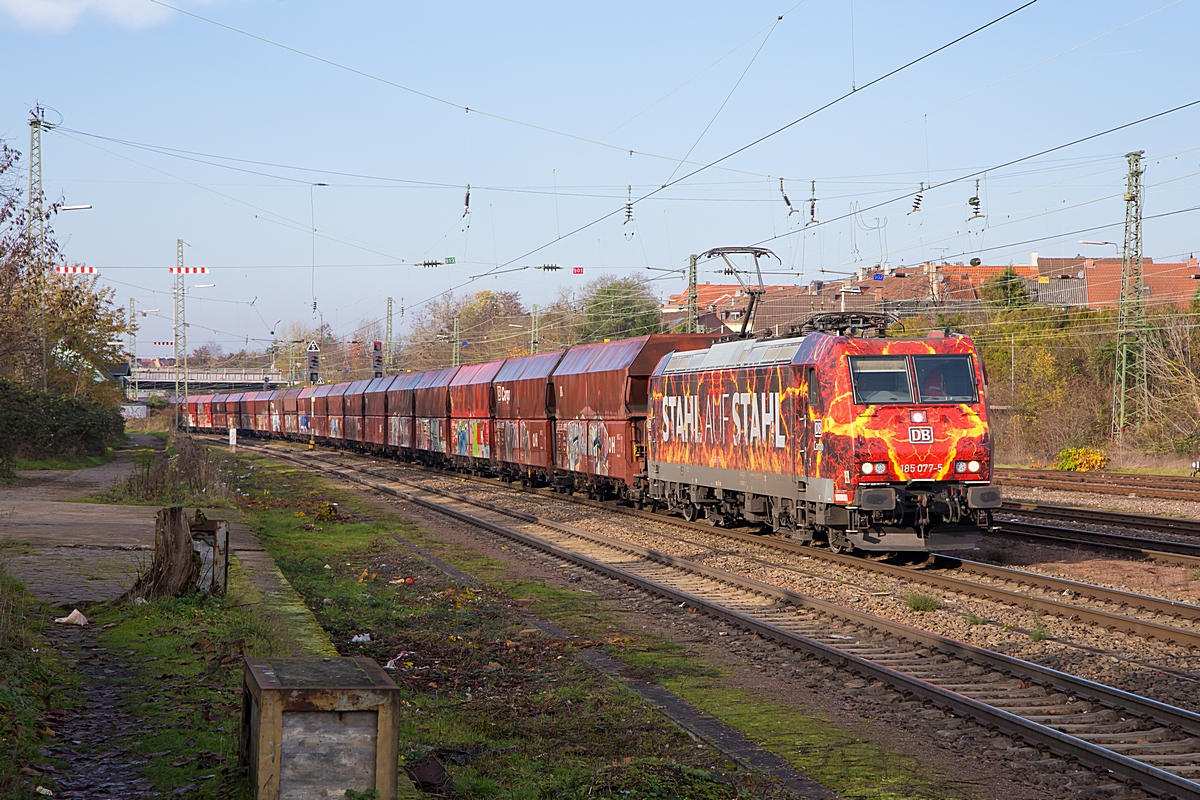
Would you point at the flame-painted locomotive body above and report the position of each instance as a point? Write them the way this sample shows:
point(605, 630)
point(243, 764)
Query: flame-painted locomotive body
point(874, 444)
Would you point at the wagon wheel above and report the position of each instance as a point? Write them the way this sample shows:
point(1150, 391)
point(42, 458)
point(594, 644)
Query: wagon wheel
point(690, 511)
point(838, 543)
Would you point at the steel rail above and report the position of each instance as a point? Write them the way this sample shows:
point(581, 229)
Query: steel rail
point(1186, 527)
point(1157, 549)
point(1151, 778)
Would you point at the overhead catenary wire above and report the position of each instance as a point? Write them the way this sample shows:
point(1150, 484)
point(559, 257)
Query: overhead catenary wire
point(759, 140)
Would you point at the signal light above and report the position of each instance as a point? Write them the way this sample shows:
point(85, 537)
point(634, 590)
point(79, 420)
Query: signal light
point(973, 466)
point(377, 359)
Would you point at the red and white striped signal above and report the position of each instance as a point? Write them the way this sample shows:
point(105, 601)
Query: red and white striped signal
point(76, 270)
point(189, 270)
point(165, 344)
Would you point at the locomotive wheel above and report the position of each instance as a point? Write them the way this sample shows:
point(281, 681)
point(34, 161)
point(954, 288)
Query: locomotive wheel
point(689, 512)
point(838, 543)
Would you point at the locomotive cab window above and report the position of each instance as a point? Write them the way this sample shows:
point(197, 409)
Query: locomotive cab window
point(879, 380)
point(945, 379)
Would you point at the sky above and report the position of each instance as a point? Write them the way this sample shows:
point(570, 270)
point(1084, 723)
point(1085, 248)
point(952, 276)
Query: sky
point(211, 121)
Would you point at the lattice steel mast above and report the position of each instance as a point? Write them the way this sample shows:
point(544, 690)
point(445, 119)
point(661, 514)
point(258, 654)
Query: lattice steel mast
point(133, 350)
point(37, 216)
point(693, 300)
point(1131, 392)
point(180, 330)
point(387, 340)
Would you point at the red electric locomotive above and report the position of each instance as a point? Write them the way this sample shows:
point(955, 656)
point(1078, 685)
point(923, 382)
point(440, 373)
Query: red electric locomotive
point(867, 443)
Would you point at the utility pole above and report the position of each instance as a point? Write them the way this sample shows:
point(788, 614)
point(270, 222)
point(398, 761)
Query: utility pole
point(37, 216)
point(387, 340)
point(133, 349)
point(693, 298)
point(533, 330)
point(1130, 379)
point(454, 358)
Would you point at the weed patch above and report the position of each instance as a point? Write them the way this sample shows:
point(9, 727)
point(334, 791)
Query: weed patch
point(975, 619)
point(921, 603)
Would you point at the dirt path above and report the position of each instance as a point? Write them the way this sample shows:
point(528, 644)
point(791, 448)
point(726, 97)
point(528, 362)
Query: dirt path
point(92, 763)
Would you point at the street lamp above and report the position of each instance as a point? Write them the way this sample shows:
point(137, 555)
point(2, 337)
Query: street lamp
point(1100, 244)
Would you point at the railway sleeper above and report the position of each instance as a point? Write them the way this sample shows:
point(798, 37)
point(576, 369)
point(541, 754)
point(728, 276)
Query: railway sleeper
point(1146, 735)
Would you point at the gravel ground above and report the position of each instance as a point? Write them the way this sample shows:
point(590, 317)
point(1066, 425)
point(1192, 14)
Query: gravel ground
point(1164, 672)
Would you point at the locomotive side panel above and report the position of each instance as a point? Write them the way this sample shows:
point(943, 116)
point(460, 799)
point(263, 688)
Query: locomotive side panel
point(729, 428)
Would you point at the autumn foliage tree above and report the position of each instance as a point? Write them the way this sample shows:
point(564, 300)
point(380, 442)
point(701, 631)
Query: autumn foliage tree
point(72, 314)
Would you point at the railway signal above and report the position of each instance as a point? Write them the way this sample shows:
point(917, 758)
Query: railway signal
point(313, 362)
point(377, 359)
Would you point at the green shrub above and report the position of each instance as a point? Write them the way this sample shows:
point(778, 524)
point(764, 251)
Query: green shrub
point(37, 425)
point(975, 619)
point(1081, 459)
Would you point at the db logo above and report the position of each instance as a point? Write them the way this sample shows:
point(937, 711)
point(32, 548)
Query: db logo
point(922, 435)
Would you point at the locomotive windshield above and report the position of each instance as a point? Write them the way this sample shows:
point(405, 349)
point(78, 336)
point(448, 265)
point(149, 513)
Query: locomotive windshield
point(945, 379)
point(881, 380)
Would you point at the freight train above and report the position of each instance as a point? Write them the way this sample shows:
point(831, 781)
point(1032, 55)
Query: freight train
point(859, 443)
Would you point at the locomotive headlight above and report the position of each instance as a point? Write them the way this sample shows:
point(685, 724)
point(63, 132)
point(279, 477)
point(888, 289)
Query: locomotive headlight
point(868, 468)
point(973, 466)
point(960, 466)
point(919, 416)
point(880, 468)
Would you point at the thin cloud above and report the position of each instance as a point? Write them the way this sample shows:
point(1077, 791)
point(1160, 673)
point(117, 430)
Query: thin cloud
point(59, 15)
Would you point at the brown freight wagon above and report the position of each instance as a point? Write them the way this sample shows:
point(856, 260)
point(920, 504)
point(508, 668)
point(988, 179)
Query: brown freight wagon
point(275, 411)
point(262, 412)
point(374, 432)
point(471, 412)
point(600, 403)
point(234, 410)
point(246, 411)
point(524, 406)
point(401, 396)
point(218, 412)
point(304, 409)
point(431, 413)
point(291, 411)
point(352, 413)
point(320, 413)
point(335, 411)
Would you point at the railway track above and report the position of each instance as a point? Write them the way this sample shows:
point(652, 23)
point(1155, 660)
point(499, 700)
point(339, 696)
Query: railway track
point(1132, 738)
point(1158, 608)
point(1168, 487)
point(1156, 549)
